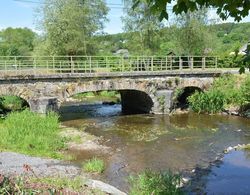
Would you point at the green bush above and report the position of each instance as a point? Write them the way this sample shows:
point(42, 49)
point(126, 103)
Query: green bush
point(12, 103)
point(229, 86)
point(31, 133)
point(226, 91)
point(245, 90)
point(148, 183)
point(209, 102)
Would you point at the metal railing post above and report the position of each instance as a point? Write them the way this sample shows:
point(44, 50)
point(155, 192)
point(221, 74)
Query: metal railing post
point(203, 63)
point(192, 63)
point(180, 64)
point(53, 63)
point(34, 65)
point(47, 63)
point(166, 63)
point(90, 65)
point(152, 63)
point(71, 64)
point(15, 61)
point(216, 62)
point(137, 64)
point(123, 64)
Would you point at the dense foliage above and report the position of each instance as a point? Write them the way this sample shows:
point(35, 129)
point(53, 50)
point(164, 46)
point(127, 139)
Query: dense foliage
point(69, 26)
point(146, 27)
point(16, 41)
point(225, 8)
point(226, 92)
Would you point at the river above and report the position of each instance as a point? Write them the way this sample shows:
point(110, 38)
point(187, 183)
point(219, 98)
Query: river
point(181, 143)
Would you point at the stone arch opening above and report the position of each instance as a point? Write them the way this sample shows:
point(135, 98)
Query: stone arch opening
point(136, 102)
point(182, 99)
point(131, 101)
point(9, 103)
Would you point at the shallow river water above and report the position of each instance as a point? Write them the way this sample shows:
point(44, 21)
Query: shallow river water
point(160, 142)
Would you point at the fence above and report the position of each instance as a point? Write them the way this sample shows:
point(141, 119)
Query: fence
point(102, 64)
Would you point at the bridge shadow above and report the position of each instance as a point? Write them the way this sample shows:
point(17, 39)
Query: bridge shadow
point(182, 99)
point(123, 102)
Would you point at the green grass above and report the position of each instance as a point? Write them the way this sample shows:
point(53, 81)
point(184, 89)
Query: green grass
point(31, 134)
point(94, 165)
point(149, 182)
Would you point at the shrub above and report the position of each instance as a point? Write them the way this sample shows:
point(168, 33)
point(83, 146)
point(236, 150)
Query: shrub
point(245, 89)
point(94, 165)
point(209, 102)
point(31, 133)
point(229, 86)
point(12, 103)
point(149, 182)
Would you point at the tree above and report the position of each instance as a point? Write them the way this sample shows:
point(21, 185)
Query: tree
point(142, 28)
point(16, 41)
point(193, 36)
point(69, 25)
point(225, 8)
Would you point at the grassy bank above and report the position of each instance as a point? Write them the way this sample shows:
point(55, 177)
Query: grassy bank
point(32, 134)
point(150, 182)
point(227, 92)
point(52, 186)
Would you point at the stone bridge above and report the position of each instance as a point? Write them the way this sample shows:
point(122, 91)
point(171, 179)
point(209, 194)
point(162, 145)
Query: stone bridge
point(141, 92)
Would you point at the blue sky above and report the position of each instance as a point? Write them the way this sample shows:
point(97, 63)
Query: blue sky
point(20, 14)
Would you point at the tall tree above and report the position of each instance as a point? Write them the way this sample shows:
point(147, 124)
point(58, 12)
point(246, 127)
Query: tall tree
point(69, 25)
point(142, 28)
point(16, 41)
point(193, 36)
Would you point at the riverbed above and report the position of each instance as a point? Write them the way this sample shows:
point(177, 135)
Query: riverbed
point(181, 143)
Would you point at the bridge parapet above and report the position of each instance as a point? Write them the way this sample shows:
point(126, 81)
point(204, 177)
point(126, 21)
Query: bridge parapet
point(30, 65)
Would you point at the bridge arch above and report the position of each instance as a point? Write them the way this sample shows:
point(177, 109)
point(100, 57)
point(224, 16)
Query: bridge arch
point(182, 99)
point(11, 103)
point(132, 101)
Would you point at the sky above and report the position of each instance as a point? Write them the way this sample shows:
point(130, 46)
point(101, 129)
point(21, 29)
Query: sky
point(22, 14)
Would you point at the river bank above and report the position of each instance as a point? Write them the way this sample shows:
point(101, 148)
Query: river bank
point(37, 171)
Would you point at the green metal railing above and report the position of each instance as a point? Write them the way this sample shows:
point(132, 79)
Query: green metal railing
point(102, 64)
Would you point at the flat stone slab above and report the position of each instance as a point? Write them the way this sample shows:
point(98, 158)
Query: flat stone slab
point(12, 163)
